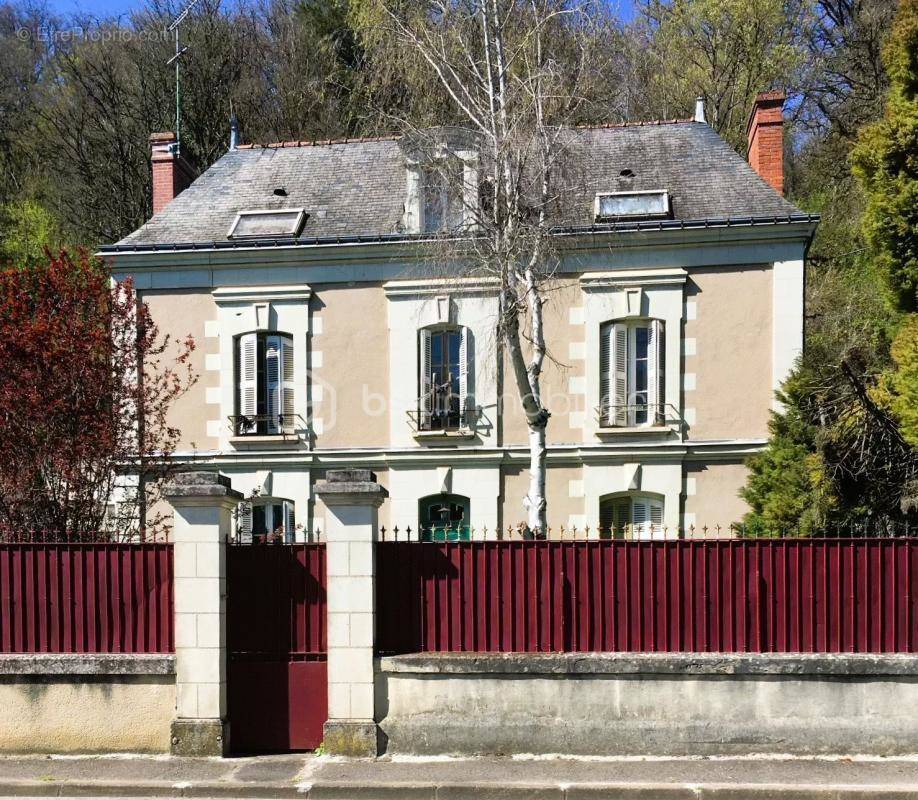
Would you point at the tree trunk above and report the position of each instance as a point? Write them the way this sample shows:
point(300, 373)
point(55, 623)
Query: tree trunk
point(528, 386)
point(536, 502)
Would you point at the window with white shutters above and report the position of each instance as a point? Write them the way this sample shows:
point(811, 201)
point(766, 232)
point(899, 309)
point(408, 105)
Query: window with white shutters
point(631, 374)
point(631, 516)
point(265, 519)
point(265, 381)
point(445, 373)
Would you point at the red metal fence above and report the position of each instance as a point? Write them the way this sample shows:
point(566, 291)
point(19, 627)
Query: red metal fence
point(86, 598)
point(790, 595)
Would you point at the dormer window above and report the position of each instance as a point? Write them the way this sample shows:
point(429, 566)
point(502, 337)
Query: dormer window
point(442, 191)
point(267, 223)
point(630, 205)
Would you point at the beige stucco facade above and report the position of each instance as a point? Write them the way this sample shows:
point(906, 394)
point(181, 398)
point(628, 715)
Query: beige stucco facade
point(731, 327)
point(82, 714)
point(726, 305)
point(181, 314)
point(349, 330)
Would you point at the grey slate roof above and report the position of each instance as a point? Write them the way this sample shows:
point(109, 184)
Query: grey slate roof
point(357, 189)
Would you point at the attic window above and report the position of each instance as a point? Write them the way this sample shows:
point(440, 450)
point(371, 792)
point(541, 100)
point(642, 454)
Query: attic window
point(615, 205)
point(258, 224)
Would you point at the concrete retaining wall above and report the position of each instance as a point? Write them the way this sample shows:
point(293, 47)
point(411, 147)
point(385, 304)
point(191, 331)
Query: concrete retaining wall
point(614, 704)
point(86, 703)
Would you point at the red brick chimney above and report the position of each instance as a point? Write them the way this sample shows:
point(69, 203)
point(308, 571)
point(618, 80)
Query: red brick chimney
point(765, 134)
point(171, 173)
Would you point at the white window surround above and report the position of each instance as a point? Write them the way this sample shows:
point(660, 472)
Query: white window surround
point(661, 480)
point(282, 308)
point(481, 485)
point(631, 515)
point(291, 484)
point(413, 218)
point(605, 299)
point(415, 305)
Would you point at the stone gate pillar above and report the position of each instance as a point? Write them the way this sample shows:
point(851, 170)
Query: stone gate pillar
point(353, 498)
point(203, 503)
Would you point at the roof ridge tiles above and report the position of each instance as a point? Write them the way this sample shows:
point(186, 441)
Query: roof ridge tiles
point(319, 142)
point(391, 137)
point(644, 123)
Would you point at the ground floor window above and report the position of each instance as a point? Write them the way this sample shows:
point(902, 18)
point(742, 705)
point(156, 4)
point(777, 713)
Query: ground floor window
point(265, 519)
point(445, 518)
point(630, 516)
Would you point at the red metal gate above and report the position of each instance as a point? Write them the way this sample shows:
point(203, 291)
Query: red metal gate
point(276, 644)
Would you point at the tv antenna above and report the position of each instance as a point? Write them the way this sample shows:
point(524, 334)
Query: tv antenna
point(176, 59)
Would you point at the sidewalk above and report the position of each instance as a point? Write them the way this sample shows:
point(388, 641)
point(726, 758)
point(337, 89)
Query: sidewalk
point(439, 779)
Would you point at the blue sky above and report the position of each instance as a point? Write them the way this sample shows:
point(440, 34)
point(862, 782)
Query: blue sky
point(114, 8)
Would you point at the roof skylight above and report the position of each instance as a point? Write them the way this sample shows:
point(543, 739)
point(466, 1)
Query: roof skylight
point(616, 205)
point(267, 223)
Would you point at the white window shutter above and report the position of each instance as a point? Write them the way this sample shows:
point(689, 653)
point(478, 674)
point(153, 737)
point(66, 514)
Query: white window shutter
point(288, 424)
point(289, 522)
point(464, 362)
point(655, 508)
point(248, 375)
point(619, 406)
point(425, 404)
point(640, 518)
point(273, 382)
point(606, 345)
point(656, 358)
point(244, 522)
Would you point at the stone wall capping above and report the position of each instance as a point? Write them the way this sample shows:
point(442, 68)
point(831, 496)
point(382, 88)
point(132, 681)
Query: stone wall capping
point(816, 664)
point(67, 664)
point(199, 483)
point(351, 487)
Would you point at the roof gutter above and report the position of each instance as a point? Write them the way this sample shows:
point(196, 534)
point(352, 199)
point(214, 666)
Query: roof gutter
point(637, 226)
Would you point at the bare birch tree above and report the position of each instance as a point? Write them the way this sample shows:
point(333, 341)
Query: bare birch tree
point(519, 75)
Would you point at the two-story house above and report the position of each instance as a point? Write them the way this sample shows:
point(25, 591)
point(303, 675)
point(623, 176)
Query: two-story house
point(298, 268)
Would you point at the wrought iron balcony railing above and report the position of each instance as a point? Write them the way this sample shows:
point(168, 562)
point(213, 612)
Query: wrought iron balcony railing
point(441, 409)
point(266, 424)
point(638, 415)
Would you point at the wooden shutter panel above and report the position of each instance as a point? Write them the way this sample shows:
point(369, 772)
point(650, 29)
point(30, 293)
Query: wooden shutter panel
point(273, 384)
point(607, 524)
point(464, 360)
point(248, 376)
point(289, 522)
point(640, 517)
point(606, 337)
point(619, 410)
point(656, 518)
point(244, 522)
point(656, 388)
point(288, 421)
point(425, 404)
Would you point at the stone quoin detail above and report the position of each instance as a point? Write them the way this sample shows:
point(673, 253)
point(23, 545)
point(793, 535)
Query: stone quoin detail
point(203, 503)
point(352, 497)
